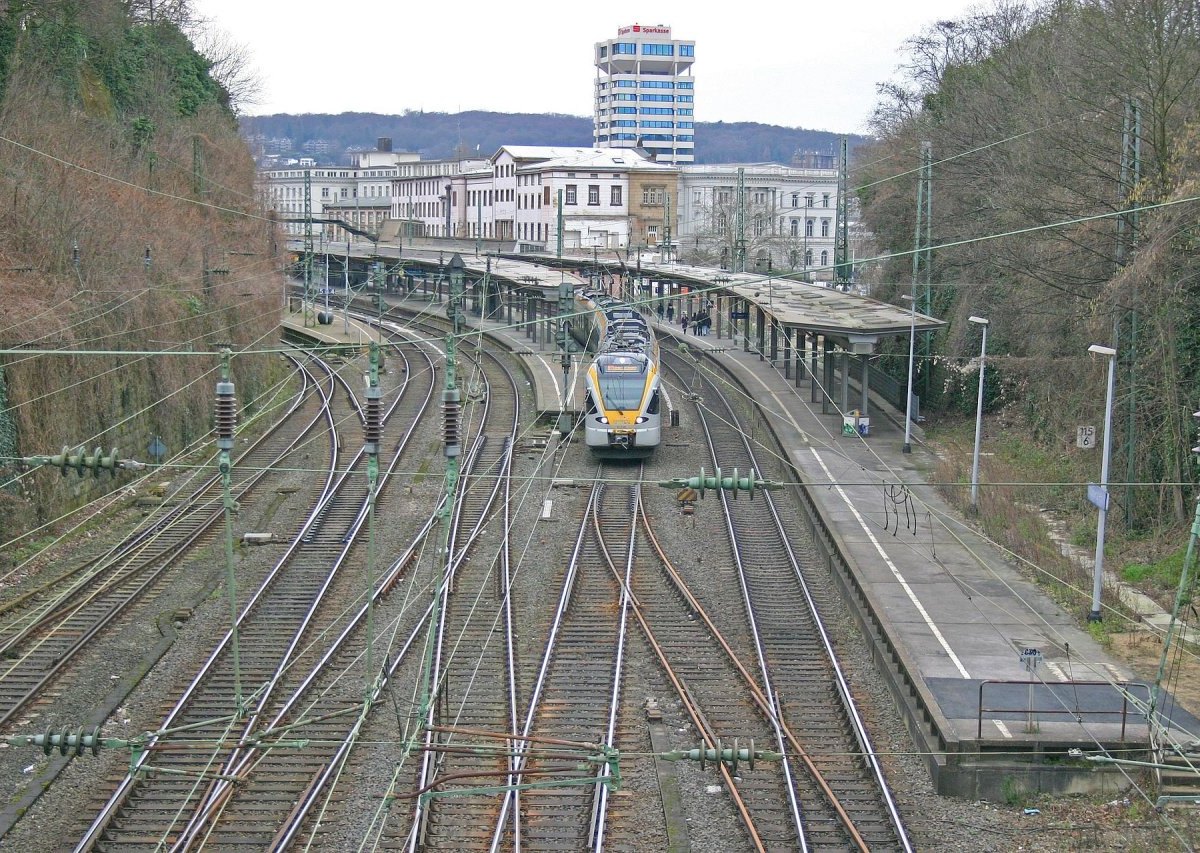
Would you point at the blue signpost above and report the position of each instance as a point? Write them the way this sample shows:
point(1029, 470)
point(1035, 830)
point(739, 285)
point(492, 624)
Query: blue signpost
point(156, 449)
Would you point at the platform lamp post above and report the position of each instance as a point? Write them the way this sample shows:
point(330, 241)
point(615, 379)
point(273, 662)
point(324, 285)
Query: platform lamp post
point(912, 336)
point(981, 321)
point(1100, 497)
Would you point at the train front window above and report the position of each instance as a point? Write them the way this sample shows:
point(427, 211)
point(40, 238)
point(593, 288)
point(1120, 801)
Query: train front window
point(622, 381)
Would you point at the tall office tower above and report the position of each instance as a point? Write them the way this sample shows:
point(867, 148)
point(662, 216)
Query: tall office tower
point(644, 93)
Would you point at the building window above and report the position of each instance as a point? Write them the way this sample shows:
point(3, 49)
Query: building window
point(593, 194)
point(758, 225)
point(824, 227)
point(795, 199)
point(658, 50)
point(603, 52)
point(652, 234)
point(825, 259)
point(570, 194)
point(824, 199)
point(687, 50)
point(681, 84)
point(615, 200)
point(808, 228)
point(625, 84)
point(697, 196)
point(324, 192)
point(793, 258)
point(722, 222)
point(795, 229)
point(808, 257)
point(808, 200)
point(623, 47)
point(653, 195)
point(654, 97)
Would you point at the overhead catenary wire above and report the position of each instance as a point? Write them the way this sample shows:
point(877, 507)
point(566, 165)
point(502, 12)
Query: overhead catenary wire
point(1051, 226)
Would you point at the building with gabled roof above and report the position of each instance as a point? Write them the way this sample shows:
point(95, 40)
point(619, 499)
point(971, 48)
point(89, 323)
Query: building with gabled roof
point(537, 196)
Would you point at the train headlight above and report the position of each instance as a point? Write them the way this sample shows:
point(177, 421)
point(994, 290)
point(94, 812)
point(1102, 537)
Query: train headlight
point(602, 419)
point(642, 419)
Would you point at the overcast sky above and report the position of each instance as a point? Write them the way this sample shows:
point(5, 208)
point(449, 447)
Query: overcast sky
point(797, 64)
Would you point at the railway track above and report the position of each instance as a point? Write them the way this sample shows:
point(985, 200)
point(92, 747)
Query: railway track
point(576, 696)
point(842, 795)
point(48, 627)
point(156, 809)
point(491, 426)
point(279, 790)
point(473, 659)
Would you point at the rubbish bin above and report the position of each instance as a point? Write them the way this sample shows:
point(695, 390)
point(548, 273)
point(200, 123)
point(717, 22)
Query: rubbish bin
point(864, 426)
point(850, 422)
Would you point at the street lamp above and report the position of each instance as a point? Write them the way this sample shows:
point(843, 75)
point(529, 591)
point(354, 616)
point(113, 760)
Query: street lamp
point(982, 321)
point(1100, 498)
point(912, 336)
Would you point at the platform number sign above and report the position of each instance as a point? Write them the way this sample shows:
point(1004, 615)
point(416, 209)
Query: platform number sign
point(1085, 437)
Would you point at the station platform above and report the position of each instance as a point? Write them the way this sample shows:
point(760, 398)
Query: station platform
point(340, 331)
point(536, 347)
point(952, 621)
point(954, 625)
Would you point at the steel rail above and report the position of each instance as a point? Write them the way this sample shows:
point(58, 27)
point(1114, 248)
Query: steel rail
point(848, 706)
point(238, 759)
point(501, 474)
point(600, 798)
point(858, 727)
point(155, 523)
point(144, 536)
point(690, 706)
point(556, 625)
point(92, 835)
point(286, 834)
point(154, 567)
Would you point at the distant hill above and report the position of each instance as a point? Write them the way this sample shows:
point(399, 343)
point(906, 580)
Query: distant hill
point(438, 135)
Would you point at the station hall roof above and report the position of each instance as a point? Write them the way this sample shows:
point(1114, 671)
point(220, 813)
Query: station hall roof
point(808, 306)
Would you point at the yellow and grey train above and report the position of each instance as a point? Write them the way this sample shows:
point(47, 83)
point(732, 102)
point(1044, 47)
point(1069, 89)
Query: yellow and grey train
point(622, 399)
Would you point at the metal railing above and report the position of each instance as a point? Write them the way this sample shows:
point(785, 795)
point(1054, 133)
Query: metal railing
point(1064, 699)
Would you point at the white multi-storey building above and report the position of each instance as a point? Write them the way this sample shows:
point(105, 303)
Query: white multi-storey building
point(610, 198)
point(788, 216)
point(368, 177)
point(645, 93)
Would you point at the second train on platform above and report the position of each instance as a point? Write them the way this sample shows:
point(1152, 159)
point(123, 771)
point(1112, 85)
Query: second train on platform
point(622, 398)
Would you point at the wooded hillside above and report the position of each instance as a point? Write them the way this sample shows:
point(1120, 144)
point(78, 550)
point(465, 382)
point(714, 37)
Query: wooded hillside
point(438, 135)
point(129, 224)
point(1046, 120)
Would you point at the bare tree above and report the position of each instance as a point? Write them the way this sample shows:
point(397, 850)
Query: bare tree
point(231, 65)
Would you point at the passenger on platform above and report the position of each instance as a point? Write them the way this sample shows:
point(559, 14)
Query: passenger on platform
point(705, 324)
point(670, 313)
point(659, 309)
point(684, 322)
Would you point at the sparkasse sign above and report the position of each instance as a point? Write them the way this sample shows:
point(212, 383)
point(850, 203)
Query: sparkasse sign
point(645, 30)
